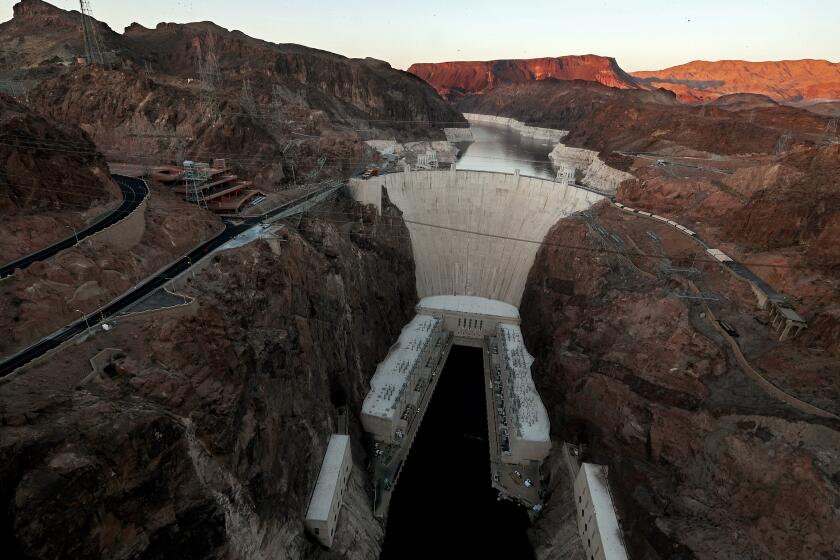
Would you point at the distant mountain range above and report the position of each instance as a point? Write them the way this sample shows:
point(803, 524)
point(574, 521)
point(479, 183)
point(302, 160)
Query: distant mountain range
point(455, 80)
point(785, 81)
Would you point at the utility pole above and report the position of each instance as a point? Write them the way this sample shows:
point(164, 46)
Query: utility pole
point(75, 233)
point(90, 333)
point(93, 46)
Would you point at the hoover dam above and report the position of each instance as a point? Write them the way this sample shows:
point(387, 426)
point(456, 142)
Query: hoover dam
point(475, 233)
point(474, 236)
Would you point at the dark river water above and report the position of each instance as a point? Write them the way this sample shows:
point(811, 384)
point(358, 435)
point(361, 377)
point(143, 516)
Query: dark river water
point(500, 148)
point(443, 506)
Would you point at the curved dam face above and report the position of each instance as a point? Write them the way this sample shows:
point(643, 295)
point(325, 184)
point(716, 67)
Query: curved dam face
point(475, 233)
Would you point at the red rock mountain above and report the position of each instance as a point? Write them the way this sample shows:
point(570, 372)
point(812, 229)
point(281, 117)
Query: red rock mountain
point(454, 80)
point(788, 81)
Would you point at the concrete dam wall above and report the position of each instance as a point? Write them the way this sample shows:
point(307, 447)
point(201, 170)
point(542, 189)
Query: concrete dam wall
point(475, 233)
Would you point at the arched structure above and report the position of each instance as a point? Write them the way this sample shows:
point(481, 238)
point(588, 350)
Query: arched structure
point(475, 233)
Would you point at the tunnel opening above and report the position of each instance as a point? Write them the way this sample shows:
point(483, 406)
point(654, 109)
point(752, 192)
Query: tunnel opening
point(444, 503)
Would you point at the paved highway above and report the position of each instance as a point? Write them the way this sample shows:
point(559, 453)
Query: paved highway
point(153, 283)
point(133, 190)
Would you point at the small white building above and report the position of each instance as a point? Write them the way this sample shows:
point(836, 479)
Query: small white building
point(719, 255)
point(528, 425)
point(597, 522)
point(325, 504)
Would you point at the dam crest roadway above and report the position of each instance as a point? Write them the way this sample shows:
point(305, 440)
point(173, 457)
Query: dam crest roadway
point(474, 236)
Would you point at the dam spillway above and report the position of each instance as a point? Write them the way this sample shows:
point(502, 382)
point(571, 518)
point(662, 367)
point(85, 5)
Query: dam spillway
point(475, 233)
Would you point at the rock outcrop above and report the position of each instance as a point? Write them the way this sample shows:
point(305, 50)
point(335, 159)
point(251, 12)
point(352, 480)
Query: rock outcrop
point(276, 112)
point(609, 119)
point(455, 80)
point(50, 294)
point(703, 464)
point(596, 173)
point(788, 81)
point(49, 174)
point(204, 436)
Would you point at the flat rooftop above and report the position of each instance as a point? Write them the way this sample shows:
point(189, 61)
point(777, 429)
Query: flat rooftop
point(322, 496)
point(470, 304)
point(391, 376)
point(791, 315)
point(530, 413)
point(602, 504)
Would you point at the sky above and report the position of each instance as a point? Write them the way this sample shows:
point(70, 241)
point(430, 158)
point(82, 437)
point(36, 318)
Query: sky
point(641, 35)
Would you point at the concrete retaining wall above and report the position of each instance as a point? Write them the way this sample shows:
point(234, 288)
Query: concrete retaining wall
point(536, 132)
point(597, 174)
point(458, 134)
point(126, 233)
point(511, 215)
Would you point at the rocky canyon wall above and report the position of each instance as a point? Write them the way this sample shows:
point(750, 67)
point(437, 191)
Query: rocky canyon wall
point(203, 438)
point(703, 463)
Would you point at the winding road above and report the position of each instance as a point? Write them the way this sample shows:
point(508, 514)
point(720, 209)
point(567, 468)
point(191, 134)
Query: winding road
point(134, 191)
point(152, 283)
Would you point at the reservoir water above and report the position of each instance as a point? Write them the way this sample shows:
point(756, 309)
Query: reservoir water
point(500, 148)
point(444, 505)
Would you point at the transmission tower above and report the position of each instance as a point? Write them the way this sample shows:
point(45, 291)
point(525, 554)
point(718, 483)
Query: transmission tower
point(784, 141)
point(246, 98)
point(210, 76)
point(830, 132)
point(277, 104)
point(93, 46)
point(13, 88)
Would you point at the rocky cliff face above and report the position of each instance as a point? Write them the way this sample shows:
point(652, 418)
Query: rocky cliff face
point(47, 295)
point(608, 119)
point(204, 437)
point(792, 81)
point(779, 212)
point(703, 464)
point(49, 170)
point(455, 80)
point(277, 112)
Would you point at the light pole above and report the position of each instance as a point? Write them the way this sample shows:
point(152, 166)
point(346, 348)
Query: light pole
point(75, 233)
point(90, 333)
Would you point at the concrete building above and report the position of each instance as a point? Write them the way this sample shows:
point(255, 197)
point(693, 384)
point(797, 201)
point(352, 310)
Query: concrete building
point(469, 318)
point(785, 320)
point(525, 425)
point(325, 504)
point(597, 522)
point(401, 380)
point(717, 253)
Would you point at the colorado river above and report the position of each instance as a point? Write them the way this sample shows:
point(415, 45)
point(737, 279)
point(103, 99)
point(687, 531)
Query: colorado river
point(444, 505)
point(500, 148)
